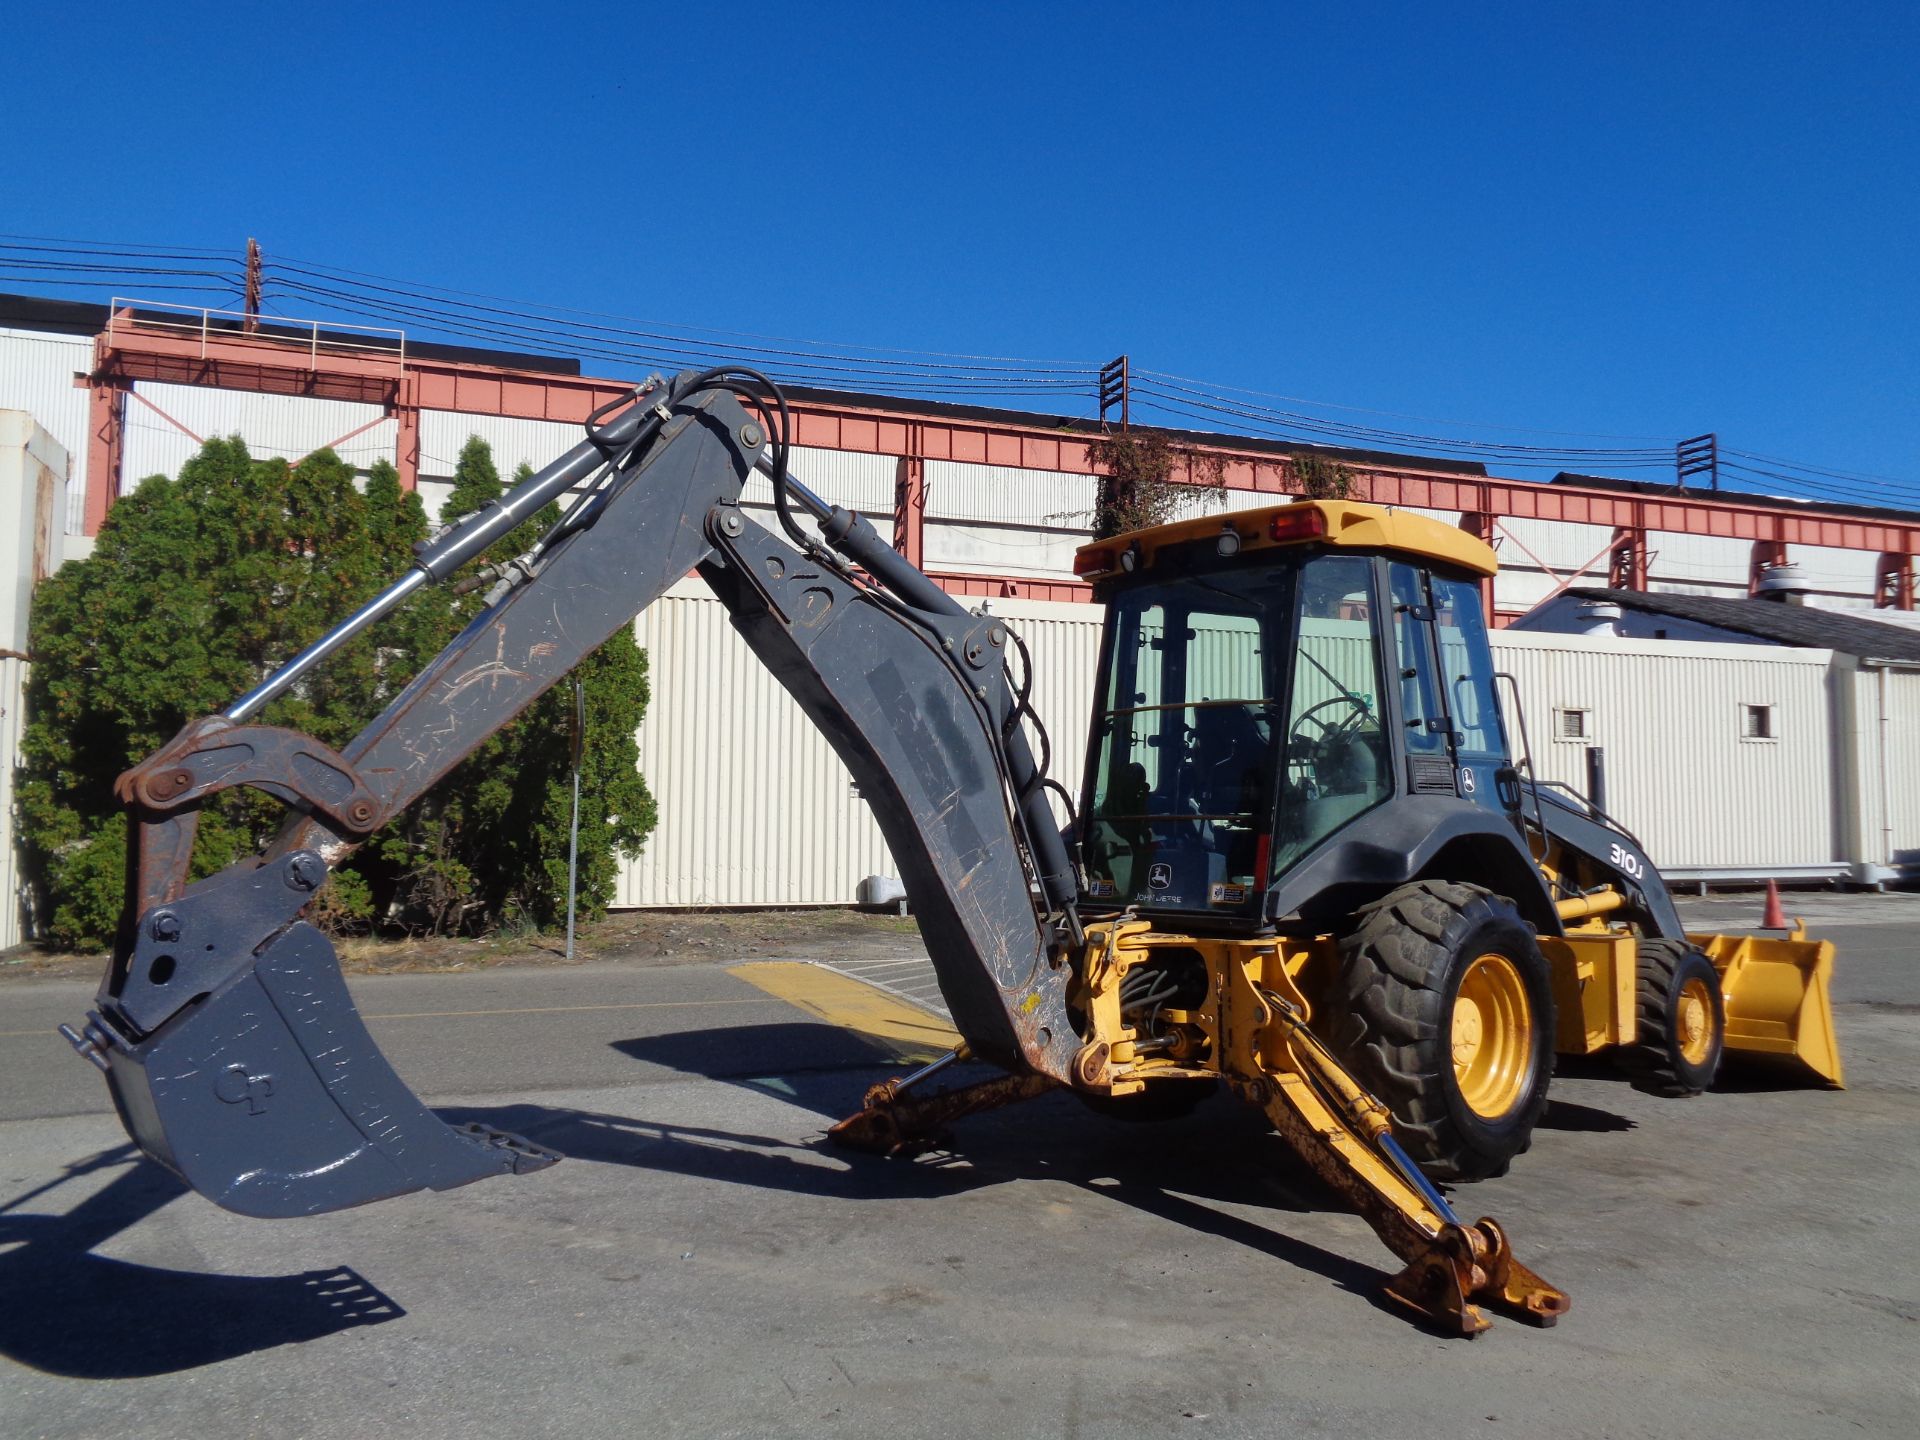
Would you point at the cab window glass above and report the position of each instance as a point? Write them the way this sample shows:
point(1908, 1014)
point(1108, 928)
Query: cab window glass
point(1336, 751)
point(1130, 766)
point(1184, 759)
point(1466, 666)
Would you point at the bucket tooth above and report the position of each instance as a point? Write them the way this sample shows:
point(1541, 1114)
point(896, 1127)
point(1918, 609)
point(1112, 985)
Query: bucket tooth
point(270, 1098)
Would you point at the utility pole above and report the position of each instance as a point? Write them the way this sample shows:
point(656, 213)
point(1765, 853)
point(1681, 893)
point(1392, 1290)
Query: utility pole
point(573, 831)
point(1115, 390)
point(252, 322)
point(1698, 456)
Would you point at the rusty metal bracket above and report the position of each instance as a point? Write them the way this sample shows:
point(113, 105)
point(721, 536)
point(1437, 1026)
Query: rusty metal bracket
point(213, 754)
point(1469, 1263)
point(893, 1123)
point(163, 794)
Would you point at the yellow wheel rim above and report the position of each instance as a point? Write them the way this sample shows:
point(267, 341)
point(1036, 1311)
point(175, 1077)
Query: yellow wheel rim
point(1693, 1022)
point(1492, 1036)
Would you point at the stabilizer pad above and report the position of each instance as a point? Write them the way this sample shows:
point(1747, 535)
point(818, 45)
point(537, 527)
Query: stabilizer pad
point(270, 1098)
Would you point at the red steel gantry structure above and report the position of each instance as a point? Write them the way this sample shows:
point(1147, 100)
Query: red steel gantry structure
point(140, 345)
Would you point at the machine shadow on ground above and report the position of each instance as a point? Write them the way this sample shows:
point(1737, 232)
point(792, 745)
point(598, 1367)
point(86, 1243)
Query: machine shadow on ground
point(71, 1312)
point(1223, 1154)
point(1566, 1115)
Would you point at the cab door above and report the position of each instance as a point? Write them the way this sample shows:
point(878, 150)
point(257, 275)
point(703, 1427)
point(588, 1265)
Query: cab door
point(1455, 742)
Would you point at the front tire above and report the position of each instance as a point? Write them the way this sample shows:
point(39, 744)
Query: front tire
point(1681, 1025)
point(1443, 1008)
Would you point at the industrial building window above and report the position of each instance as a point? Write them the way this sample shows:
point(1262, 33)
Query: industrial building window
point(1572, 724)
point(1756, 722)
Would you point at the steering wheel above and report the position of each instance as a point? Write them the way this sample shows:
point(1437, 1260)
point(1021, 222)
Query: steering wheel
point(1305, 751)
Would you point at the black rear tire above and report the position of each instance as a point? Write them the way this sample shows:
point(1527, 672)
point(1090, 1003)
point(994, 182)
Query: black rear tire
point(1391, 1021)
point(1681, 1026)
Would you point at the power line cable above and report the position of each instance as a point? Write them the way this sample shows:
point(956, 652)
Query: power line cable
point(1313, 430)
point(1394, 414)
point(1814, 469)
point(1876, 497)
point(1225, 405)
point(82, 264)
point(537, 329)
point(121, 247)
point(499, 332)
point(697, 329)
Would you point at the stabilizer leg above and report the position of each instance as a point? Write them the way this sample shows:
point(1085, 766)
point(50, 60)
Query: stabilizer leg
point(1346, 1137)
point(892, 1122)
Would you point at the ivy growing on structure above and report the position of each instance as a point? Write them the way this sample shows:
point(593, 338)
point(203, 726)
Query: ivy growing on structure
point(1136, 487)
point(1319, 476)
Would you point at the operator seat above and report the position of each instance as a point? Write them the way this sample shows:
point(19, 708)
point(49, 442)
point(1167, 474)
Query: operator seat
point(1233, 766)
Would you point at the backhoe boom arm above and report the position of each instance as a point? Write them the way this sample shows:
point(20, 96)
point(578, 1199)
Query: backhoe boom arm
point(232, 1049)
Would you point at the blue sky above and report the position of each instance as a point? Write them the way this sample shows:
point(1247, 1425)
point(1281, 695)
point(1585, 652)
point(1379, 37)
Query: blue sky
point(1629, 219)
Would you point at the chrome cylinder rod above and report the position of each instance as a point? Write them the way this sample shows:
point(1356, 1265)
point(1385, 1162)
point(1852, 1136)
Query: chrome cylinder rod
point(445, 553)
point(288, 673)
point(808, 501)
point(931, 1069)
point(1415, 1177)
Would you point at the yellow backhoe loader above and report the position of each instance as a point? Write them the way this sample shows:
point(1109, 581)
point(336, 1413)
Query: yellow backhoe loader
point(1304, 866)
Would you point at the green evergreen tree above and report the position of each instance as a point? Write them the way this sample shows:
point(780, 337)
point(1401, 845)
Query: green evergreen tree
point(197, 588)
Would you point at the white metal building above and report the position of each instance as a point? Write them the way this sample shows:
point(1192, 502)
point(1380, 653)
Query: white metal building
point(755, 809)
point(33, 499)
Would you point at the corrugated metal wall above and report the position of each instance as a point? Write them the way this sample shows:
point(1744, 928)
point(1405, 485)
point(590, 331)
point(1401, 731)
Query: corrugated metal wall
point(33, 485)
point(36, 375)
point(755, 809)
point(287, 426)
point(513, 442)
point(762, 811)
point(1885, 793)
point(1670, 716)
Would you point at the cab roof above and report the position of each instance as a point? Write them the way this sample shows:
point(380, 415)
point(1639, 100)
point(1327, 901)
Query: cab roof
point(1341, 524)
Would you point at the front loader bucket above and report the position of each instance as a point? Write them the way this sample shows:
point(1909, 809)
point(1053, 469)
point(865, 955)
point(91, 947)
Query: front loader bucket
point(1778, 1006)
point(269, 1097)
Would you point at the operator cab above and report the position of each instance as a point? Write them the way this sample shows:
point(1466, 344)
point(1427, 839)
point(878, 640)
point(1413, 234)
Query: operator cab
point(1267, 678)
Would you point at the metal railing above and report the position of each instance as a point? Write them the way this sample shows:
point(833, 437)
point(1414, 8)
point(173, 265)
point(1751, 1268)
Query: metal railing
point(128, 316)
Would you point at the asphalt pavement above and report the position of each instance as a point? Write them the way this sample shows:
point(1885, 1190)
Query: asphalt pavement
point(1740, 1263)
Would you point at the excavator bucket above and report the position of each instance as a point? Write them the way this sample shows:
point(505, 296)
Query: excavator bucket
point(269, 1097)
point(1778, 1007)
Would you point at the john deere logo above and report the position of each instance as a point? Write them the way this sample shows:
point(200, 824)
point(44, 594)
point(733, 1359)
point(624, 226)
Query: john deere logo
point(1160, 876)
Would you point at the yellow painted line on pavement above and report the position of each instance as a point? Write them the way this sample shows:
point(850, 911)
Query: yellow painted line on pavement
point(912, 1035)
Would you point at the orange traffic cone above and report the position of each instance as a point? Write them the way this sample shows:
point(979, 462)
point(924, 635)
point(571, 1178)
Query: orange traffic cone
point(1775, 918)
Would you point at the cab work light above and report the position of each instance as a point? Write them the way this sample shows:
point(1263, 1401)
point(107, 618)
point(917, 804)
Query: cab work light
point(1304, 522)
point(1092, 562)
